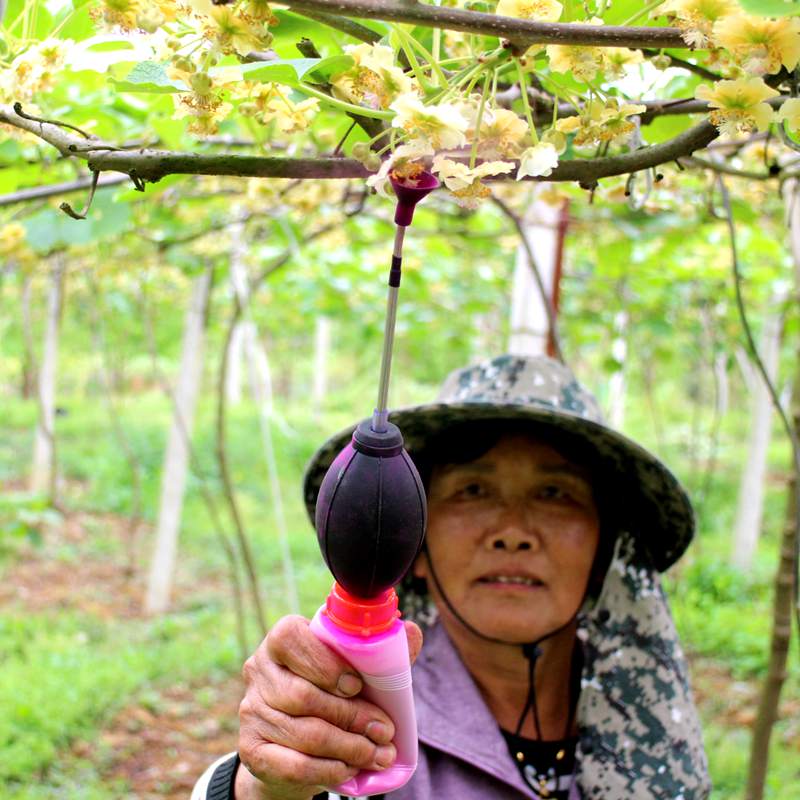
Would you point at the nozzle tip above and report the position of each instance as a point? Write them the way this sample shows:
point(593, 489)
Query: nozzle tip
point(409, 192)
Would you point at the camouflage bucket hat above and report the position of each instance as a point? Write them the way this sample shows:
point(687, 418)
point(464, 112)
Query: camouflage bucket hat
point(650, 502)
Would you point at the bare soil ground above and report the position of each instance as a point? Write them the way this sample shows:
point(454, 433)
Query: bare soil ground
point(159, 747)
point(160, 751)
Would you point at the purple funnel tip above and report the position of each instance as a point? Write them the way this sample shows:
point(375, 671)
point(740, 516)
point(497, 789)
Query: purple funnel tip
point(409, 192)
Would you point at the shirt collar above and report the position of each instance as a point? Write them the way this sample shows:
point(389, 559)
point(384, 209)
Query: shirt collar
point(452, 715)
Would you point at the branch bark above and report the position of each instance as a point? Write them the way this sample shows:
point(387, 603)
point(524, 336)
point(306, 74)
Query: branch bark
point(521, 32)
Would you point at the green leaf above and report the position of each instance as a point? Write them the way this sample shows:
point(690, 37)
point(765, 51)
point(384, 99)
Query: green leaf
point(771, 8)
point(52, 229)
point(10, 150)
point(110, 44)
point(663, 128)
point(291, 71)
point(149, 76)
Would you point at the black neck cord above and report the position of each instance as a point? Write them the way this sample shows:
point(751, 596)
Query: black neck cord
point(530, 650)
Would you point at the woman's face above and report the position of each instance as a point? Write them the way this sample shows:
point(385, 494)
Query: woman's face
point(512, 537)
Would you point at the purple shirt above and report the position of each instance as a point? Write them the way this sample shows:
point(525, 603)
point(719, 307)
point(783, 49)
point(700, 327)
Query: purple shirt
point(463, 754)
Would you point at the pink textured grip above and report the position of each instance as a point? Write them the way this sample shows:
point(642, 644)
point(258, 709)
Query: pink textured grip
point(383, 663)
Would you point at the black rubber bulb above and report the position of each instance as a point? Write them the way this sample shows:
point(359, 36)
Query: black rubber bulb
point(371, 512)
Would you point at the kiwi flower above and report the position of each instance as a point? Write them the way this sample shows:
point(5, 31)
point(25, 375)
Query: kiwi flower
point(789, 113)
point(465, 182)
point(442, 126)
point(538, 161)
point(234, 33)
point(759, 44)
point(405, 162)
point(696, 18)
point(33, 71)
point(738, 106)
point(502, 134)
point(373, 79)
point(542, 10)
point(582, 62)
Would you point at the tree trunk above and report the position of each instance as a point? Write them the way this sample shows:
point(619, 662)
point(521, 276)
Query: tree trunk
point(322, 352)
point(751, 487)
point(781, 628)
point(29, 379)
point(261, 390)
point(233, 381)
point(44, 471)
point(785, 589)
point(173, 476)
point(530, 326)
point(616, 384)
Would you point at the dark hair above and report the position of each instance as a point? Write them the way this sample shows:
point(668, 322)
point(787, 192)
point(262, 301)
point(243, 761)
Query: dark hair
point(468, 441)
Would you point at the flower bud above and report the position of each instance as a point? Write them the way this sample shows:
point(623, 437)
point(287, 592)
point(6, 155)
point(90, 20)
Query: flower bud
point(372, 162)
point(184, 64)
point(248, 109)
point(150, 20)
point(201, 83)
point(360, 150)
point(555, 138)
point(661, 61)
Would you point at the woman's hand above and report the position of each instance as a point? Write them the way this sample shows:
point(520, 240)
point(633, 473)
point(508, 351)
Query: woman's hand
point(302, 727)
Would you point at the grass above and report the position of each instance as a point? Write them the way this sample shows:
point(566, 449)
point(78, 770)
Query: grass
point(64, 674)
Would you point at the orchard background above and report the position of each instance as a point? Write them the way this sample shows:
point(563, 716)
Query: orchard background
point(193, 253)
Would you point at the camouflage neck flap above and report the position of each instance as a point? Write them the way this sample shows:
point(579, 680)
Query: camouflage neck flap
point(639, 732)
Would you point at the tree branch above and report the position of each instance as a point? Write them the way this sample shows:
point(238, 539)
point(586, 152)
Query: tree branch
point(687, 65)
point(344, 25)
point(721, 167)
point(519, 31)
point(152, 165)
point(50, 190)
point(588, 171)
point(543, 104)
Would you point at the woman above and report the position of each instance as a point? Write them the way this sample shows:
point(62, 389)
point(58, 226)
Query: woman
point(551, 667)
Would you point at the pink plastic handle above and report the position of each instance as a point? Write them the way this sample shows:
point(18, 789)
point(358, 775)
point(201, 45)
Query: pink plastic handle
point(382, 661)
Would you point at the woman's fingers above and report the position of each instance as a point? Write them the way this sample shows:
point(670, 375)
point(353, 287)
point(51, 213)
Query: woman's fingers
point(297, 697)
point(287, 774)
point(291, 644)
point(313, 736)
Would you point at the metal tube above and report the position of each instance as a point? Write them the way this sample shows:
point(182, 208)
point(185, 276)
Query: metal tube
point(380, 414)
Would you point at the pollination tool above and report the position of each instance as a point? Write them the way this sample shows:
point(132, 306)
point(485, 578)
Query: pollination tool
point(370, 520)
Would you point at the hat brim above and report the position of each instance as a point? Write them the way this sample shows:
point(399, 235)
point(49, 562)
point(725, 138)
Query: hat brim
point(650, 502)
